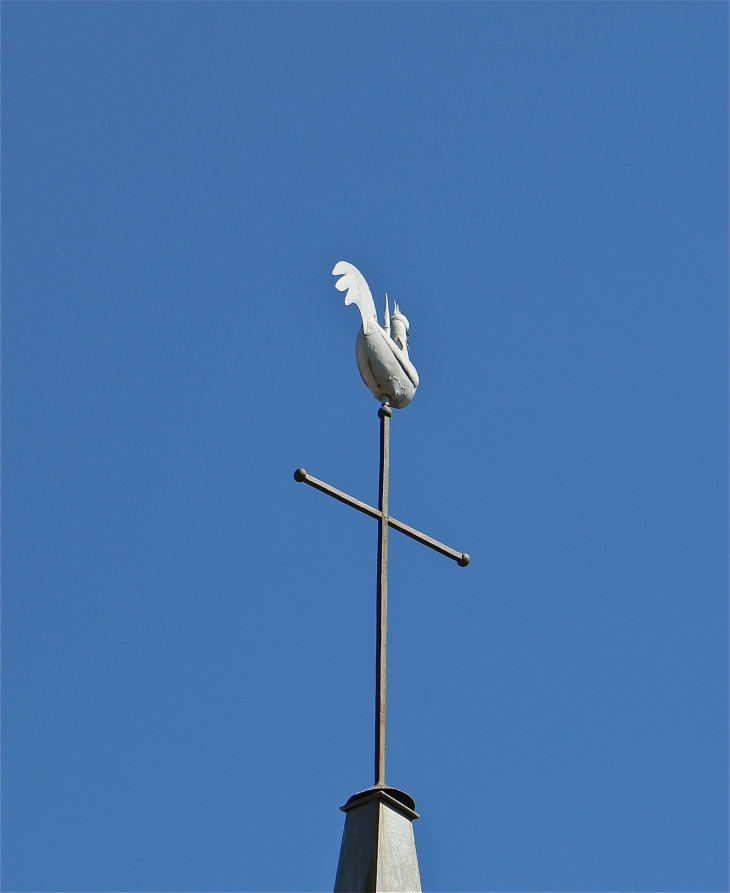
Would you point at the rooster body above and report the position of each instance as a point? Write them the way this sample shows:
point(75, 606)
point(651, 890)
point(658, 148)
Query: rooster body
point(381, 359)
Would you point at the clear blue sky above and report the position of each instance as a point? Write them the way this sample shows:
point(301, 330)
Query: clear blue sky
point(188, 635)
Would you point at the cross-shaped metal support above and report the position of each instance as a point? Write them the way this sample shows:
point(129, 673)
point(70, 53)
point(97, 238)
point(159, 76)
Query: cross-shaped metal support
point(384, 522)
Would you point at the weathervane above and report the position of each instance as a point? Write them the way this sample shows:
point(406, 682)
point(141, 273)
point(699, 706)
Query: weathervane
point(369, 860)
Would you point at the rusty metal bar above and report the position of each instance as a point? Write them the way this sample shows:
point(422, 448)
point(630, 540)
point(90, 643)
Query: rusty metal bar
point(381, 636)
point(461, 558)
point(303, 477)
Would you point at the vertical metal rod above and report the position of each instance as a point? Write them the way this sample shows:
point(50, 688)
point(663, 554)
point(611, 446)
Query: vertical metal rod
point(385, 412)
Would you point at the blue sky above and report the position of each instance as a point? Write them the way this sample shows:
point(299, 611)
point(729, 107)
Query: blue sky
point(188, 635)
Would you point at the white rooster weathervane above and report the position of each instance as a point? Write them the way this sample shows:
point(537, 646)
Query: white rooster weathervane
point(378, 848)
point(382, 358)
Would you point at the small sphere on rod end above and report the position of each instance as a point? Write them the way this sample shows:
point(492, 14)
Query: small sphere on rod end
point(300, 475)
point(464, 560)
point(385, 410)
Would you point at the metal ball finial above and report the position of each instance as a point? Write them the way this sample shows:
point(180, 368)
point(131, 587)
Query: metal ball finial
point(300, 475)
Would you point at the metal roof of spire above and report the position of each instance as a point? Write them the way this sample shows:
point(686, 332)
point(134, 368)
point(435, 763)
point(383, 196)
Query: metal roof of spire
point(378, 850)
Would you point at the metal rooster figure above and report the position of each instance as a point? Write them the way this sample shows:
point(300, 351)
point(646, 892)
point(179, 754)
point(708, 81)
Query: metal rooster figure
point(378, 848)
point(381, 358)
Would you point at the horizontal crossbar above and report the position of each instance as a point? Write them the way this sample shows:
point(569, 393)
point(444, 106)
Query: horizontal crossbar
point(301, 476)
